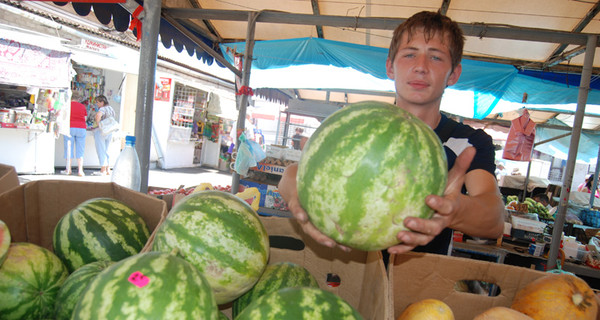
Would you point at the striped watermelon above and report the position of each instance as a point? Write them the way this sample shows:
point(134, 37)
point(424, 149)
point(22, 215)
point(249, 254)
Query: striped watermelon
point(4, 241)
point(299, 304)
point(276, 276)
point(99, 229)
point(151, 285)
point(366, 168)
point(29, 282)
point(221, 236)
point(71, 290)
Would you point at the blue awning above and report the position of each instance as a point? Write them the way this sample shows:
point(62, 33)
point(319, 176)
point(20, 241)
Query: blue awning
point(489, 82)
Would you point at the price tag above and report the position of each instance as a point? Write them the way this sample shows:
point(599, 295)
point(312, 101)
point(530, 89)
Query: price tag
point(139, 279)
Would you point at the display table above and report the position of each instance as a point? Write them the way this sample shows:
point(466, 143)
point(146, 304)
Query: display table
point(30, 151)
point(518, 182)
point(502, 253)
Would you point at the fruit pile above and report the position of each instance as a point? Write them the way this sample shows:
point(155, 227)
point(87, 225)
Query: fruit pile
point(553, 296)
point(528, 206)
point(211, 250)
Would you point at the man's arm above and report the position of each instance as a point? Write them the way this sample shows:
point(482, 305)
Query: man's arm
point(478, 213)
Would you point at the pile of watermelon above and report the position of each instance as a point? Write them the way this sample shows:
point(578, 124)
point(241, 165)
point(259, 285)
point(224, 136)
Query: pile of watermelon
point(212, 250)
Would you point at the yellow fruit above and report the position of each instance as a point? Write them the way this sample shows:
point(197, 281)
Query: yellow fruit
point(502, 313)
point(557, 296)
point(428, 309)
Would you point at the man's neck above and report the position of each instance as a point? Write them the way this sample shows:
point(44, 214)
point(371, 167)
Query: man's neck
point(430, 115)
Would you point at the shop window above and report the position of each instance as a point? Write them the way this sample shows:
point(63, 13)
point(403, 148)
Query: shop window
point(189, 113)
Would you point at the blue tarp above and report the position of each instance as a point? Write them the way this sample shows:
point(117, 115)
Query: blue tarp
point(588, 143)
point(489, 82)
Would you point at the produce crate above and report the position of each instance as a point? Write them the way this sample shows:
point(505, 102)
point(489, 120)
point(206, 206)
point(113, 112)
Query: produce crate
point(8, 178)
point(358, 277)
point(416, 276)
point(32, 210)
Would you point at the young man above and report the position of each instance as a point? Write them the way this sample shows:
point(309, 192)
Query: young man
point(424, 58)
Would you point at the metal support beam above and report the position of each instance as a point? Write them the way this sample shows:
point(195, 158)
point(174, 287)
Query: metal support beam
point(317, 12)
point(565, 56)
point(243, 98)
point(145, 90)
point(480, 30)
point(584, 87)
point(444, 7)
point(578, 28)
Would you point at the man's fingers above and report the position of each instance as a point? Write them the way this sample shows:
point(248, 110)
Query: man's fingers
point(314, 233)
point(456, 175)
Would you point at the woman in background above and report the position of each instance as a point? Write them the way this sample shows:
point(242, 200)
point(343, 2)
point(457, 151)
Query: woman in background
point(102, 141)
point(75, 143)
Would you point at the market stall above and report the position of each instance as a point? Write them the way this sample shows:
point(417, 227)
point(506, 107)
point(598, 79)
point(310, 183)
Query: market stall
point(34, 97)
point(190, 120)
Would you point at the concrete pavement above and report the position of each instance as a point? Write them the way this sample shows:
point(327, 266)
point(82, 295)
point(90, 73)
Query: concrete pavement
point(171, 178)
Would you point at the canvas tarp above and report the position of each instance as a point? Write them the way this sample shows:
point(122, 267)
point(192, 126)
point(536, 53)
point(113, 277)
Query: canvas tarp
point(490, 83)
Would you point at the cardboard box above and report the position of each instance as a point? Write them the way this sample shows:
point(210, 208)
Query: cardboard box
point(32, 210)
point(362, 275)
point(8, 178)
point(167, 197)
point(416, 276)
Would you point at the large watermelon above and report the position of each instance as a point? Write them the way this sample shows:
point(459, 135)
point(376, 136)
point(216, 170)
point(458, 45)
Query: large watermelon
point(71, 290)
point(221, 236)
point(151, 285)
point(29, 282)
point(276, 276)
point(366, 168)
point(299, 304)
point(99, 229)
point(4, 241)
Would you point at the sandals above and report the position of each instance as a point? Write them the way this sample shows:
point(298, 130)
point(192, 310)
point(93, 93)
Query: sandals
point(65, 172)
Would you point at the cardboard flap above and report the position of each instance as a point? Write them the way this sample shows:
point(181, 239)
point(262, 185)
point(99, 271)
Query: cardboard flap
point(32, 210)
point(8, 178)
point(418, 276)
point(354, 275)
point(13, 214)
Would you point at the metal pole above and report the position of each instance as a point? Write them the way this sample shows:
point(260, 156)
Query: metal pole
point(243, 98)
point(584, 87)
point(145, 91)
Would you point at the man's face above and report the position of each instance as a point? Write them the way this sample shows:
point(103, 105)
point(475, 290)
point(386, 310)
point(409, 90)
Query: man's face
point(421, 70)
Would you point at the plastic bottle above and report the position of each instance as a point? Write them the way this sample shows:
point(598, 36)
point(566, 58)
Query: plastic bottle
point(127, 168)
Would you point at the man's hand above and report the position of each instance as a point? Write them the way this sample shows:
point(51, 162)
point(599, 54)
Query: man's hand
point(289, 192)
point(422, 231)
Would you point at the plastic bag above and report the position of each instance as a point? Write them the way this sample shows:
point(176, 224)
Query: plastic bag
point(521, 136)
point(248, 155)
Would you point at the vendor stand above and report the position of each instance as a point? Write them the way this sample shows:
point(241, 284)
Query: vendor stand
point(34, 97)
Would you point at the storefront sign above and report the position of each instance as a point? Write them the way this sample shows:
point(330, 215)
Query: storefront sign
point(162, 89)
point(268, 168)
point(29, 65)
point(93, 45)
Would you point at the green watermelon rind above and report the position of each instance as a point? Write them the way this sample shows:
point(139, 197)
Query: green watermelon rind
point(74, 285)
point(299, 304)
point(366, 168)
point(4, 241)
point(30, 279)
point(275, 277)
point(99, 229)
point(175, 290)
point(220, 235)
